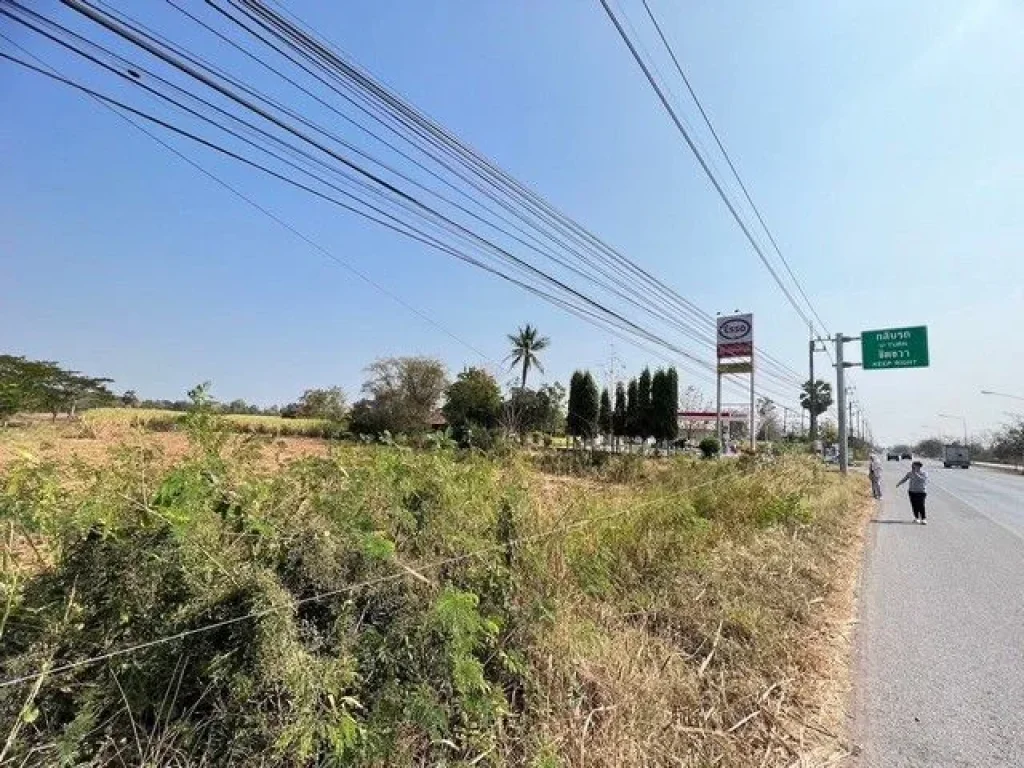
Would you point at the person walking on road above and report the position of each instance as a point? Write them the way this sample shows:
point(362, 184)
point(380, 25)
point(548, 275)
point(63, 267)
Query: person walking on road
point(875, 473)
point(918, 489)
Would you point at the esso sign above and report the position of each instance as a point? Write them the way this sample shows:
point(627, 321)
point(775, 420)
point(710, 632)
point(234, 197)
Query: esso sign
point(734, 330)
point(738, 328)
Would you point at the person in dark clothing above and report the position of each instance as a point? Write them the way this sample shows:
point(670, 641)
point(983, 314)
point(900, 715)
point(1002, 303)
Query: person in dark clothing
point(918, 490)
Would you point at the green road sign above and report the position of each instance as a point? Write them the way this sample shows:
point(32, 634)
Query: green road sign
point(895, 348)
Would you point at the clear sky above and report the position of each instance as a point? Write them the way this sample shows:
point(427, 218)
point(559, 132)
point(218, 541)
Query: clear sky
point(881, 140)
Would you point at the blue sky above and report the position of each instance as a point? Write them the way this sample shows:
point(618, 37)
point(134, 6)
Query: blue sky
point(881, 141)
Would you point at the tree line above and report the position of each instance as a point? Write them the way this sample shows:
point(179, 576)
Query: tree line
point(43, 385)
point(645, 407)
point(1004, 445)
point(407, 395)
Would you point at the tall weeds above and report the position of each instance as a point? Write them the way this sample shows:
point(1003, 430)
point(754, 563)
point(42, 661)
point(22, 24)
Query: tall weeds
point(409, 608)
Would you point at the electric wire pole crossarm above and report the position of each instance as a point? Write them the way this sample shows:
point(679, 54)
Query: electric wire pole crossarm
point(841, 365)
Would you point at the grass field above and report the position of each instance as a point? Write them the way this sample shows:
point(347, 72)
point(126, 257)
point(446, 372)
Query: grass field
point(158, 420)
point(375, 605)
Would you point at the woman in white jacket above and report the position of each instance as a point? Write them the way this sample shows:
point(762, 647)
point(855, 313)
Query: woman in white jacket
point(875, 473)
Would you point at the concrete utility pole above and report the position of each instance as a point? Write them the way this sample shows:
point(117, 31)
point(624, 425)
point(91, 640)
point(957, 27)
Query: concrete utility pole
point(811, 394)
point(844, 427)
point(841, 404)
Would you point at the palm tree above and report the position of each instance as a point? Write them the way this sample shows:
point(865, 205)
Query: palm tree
point(822, 397)
point(525, 346)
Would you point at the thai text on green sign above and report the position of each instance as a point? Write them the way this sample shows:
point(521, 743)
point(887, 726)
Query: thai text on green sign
point(895, 348)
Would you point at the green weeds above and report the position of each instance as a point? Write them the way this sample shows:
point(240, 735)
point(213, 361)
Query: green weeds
point(384, 606)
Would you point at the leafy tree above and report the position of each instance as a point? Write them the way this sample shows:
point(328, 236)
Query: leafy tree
point(829, 431)
point(16, 386)
point(129, 399)
point(527, 410)
point(327, 404)
point(552, 398)
point(645, 416)
point(931, 447)
point(604, 417)
point(403, 393)
point(236, 406)
point(633, 426)
point(364, 418)
point(619, 412)
point(59, 391)
point(822, 395)
point(526, 343)
point(1008, 444)
point(473, 399)
point(768, 417)
point(292, 411)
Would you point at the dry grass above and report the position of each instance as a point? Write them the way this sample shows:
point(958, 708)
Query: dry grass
point(93, 441)
point(158, 419)
point(738, 659)
point(701, 618)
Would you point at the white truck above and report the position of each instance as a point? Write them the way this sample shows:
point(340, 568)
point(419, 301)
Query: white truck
point(956, 456)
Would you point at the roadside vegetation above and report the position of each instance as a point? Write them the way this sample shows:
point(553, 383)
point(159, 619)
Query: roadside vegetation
point(1005, 446)
point(441, 573)
point(163, 420)
point(377, 605)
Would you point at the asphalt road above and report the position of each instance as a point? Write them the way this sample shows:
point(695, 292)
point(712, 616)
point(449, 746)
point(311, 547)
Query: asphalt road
point(940, 646)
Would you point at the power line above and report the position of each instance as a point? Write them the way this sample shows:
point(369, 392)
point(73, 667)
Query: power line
point(703, 315)
point(577, 300)
point(732, 167)
point(677, 120)
point(273, 216)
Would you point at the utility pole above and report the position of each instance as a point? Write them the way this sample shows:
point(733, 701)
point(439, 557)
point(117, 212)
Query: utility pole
point(812, 395)
point(841, 407)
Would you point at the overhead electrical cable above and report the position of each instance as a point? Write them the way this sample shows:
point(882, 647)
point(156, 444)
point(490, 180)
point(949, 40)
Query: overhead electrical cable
point(333, 166)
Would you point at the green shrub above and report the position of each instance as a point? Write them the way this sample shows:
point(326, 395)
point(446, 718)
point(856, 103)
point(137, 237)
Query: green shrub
point(709, 447)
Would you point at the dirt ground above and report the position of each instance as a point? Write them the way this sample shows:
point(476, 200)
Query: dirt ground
point(69, 441)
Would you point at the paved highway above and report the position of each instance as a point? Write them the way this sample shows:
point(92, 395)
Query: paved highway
point(940, 646)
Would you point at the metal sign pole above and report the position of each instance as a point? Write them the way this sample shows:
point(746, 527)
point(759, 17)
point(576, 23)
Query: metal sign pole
point(718, 410)
point(753, 410)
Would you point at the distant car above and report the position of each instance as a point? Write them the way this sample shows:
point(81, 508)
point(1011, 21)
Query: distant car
point(907, 456)
point(890, 456)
